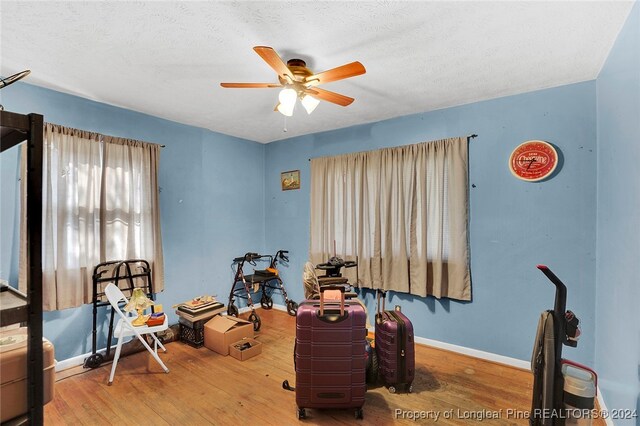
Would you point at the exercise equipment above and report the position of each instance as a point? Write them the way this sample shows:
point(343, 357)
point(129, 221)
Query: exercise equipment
point(266, 282)
point(126, 275)
point(333, 273)
point(553, 402)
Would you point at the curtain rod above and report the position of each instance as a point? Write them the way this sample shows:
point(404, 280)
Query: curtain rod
point(102, 135)
point(471, 136)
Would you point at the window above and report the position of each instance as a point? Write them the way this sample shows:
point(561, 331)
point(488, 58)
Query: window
point(401, 212)
point(100, 202)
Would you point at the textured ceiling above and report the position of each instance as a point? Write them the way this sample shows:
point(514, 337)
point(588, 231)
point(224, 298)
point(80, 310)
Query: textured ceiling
point(168, 58)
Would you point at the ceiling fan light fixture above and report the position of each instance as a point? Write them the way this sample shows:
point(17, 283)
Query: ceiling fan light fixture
point(287, 98)
point(309, 103)
point(298, 81)
point(284, 110)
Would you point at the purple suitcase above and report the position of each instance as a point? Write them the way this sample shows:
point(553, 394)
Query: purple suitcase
point(394, 347)
point(330, 354)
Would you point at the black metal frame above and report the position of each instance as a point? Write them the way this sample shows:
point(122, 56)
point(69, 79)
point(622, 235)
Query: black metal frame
point(121, 272)
point(264, 282)
point(275, 284)
point(16, 128)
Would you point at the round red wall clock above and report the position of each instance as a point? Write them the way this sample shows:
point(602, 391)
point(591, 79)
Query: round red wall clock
point(533, 160)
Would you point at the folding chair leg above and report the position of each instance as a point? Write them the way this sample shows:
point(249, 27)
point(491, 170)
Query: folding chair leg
point(153, 353)
point(157, 343)
point(115, 360)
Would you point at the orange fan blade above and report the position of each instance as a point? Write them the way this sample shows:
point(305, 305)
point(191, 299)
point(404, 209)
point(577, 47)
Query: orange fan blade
point(345, 71)
point(249, 85)
point(328, 96)
point(274, 61)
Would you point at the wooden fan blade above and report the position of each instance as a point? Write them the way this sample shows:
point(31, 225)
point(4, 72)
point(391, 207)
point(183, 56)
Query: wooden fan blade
point(274, 61)
point(345, 71)
point(249, 85)
point(328, 96)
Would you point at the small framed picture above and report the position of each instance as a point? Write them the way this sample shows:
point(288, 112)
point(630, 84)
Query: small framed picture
point(290, 180)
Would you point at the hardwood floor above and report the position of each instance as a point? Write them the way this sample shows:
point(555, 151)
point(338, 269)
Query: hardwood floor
point(206, 388)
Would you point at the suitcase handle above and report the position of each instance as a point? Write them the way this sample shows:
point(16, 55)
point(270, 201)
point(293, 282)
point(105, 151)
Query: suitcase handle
point(380, 294)
point(332, 287)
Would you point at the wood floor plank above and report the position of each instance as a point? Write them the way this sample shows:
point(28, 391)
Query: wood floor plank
point(204, 387)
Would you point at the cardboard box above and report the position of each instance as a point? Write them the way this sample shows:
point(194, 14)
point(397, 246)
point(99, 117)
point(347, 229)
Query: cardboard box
point(255, 348)
point(221, 331)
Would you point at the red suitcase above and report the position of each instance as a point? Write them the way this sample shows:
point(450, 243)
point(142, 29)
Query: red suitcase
point(330, 355)
point(394, 347)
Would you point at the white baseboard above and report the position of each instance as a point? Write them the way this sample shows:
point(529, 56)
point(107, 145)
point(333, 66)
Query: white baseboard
point(489, 356)
point(77, 360)
point(245, 309)
point(279, 307)
point(71, 362)
point(276, 306)
point(475, 353)
point(257, 306)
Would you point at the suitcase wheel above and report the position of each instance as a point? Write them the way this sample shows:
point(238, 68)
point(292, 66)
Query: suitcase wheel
point(301, 413)
point(359, 414)
point(392, 389)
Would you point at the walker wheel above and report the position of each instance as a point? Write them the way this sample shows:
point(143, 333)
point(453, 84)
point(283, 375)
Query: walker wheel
point(392, 389)
point(266, 302)
point(301, 414)
point(93, 361)
point(232, 310)
point(359, 414)
point(292, 308)
point(410, 387)
point(255, 319)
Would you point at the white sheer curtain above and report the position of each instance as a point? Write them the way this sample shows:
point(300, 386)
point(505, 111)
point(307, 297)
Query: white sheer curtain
point(403, 212)
point(100, 202)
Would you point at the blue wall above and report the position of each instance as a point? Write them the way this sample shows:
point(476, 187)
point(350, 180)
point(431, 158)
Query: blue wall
point(221, 197)
point(211, 201)
point(514, 225)
point(618, 256)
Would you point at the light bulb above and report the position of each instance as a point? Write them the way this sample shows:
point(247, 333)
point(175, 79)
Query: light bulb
point(282, 109)
point(287, 99)
point(309, 103)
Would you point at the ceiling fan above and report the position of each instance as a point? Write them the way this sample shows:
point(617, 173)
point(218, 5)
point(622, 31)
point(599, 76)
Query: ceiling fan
point(299, 82)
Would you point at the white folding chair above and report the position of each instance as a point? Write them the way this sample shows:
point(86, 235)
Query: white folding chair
point(124, 328)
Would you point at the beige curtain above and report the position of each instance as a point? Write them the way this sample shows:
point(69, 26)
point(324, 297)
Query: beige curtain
point(100, 202)
point(402, 212)
point(130, 196)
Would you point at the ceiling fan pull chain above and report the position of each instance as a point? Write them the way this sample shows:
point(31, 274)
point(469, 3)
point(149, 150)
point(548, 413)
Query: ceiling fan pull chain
point(284, 127)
